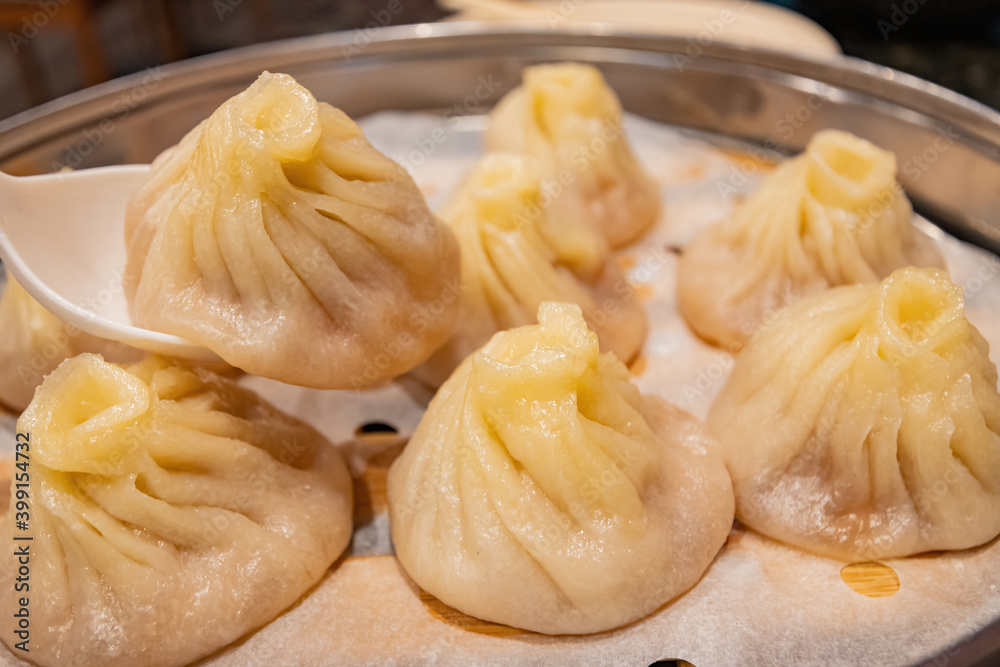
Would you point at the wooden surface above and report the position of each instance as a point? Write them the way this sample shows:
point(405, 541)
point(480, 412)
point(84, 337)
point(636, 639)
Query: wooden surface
point(873, 580)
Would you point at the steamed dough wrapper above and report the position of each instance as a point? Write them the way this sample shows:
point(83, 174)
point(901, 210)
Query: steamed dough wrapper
point(864, 424)
point(516, 254)
point(172, 512)
point(568, 118)
point(542, 490)
point(275, 235)
point(33, 342)
point(831, 216)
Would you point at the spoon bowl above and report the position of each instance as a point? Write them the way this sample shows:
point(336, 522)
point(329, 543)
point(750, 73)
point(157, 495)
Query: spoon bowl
point(61, 237)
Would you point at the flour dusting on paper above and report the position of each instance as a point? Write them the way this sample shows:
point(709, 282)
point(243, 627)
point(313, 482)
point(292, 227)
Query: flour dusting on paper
point(760, 602)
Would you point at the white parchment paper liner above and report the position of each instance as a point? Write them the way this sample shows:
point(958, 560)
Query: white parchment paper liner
point(759, 603)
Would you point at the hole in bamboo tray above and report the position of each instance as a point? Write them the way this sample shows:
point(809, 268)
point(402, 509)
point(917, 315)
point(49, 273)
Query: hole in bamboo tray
point(871, 579)
point(375, 428)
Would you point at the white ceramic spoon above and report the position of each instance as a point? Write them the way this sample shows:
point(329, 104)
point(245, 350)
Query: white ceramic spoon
point(62, 238)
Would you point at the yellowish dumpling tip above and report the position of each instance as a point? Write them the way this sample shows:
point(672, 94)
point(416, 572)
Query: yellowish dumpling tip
point(284, 114)
point(862, 424)
point(915, 305)
point(561, 331)
point(155, 484)
point(90, 402)
point(567, 117)
point(573, 85)
point(833, 216)
point(564, 74)
point(278, 237)
point(847, 170)
point(504, 189)
point(563, 501)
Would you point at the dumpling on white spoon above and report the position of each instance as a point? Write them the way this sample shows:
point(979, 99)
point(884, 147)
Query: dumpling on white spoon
point(517, 253)
point(33, 342)
point(170, 511)
point(567, 117)
point(275, 235)
point(865, 423)
point(542, 490)
point(831, 216)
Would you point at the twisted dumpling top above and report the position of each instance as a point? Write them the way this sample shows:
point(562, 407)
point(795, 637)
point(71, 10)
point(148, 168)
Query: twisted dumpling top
point(865, 422)
point(518, 252)
point(831, 216)
point(561, 499)
point(277, 236)
point(567, 117)
point(156, 484)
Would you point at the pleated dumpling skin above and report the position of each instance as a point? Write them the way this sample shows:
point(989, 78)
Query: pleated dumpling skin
point(33, 342)
point(864, 423)
point(831, 216)
point(170, 512)
point(517, 253)
point(275, 235)
point(567, 117)
point(543, 491)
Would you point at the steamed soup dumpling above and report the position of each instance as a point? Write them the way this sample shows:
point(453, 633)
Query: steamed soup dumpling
point(275, 235)
point(171, 512)
point(33, 342)
point(567, 117)
point(515, 255)
point(831, 216)
point(542, 490)
point(864, 423)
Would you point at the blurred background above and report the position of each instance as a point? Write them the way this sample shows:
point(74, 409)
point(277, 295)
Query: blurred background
point(53, 47)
